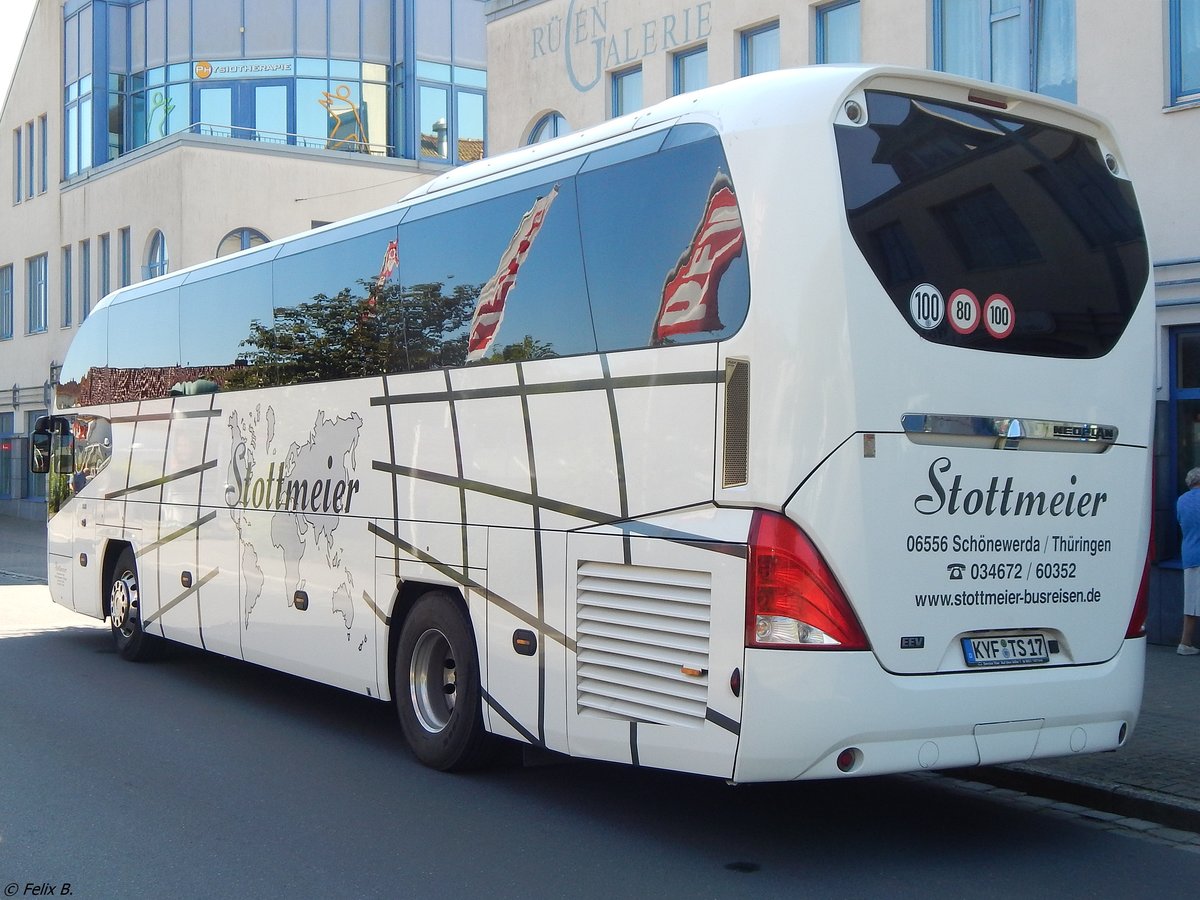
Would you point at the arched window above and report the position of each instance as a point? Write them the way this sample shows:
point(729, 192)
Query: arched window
point(157, 260)
point(551, 125)
point(240, 239)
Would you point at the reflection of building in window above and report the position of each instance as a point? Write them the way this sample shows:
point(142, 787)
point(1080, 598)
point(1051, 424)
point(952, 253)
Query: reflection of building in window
point(436, 146)
point(111, 385)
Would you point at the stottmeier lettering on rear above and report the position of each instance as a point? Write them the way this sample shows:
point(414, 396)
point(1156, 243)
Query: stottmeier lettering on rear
point(999, 498)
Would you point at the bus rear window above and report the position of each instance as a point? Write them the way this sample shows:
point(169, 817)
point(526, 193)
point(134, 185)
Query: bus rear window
point(990, 232)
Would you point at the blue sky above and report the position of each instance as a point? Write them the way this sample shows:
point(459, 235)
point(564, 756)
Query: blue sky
point(14, 22)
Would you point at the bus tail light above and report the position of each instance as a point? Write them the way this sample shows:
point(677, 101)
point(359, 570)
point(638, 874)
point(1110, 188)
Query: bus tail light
point(1141, 606)
point(792, 597)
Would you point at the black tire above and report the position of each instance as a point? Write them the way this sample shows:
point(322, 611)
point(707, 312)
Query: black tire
point(125, 611)
point(438, 694)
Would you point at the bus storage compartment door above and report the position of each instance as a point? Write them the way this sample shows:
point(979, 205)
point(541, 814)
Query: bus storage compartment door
point(1007, 741)
point(658, 634)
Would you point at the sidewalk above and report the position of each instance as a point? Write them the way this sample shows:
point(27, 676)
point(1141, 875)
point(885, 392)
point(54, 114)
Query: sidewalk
point(1155, 776)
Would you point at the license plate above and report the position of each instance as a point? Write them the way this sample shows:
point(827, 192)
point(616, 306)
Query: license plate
point(1005, 650)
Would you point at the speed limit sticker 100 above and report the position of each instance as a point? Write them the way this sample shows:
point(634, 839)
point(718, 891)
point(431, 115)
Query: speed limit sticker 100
point(926, 306)
point(998, 316)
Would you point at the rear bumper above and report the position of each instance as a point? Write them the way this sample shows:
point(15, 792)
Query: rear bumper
point(800, 710)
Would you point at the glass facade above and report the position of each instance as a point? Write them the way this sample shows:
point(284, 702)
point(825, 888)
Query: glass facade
point(403, 78)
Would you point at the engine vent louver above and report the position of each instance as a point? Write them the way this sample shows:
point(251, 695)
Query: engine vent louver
point(642, 636)
point(736, 470)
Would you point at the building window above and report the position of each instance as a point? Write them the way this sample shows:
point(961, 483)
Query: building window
point(67, 284)
point(691, 70)
point(548, 127)
point(78, 122)
point(626, 91)
point(17, 157)
point(1026, 44)
point(157, 260)
point(85, 279)
point(30, 155)
point(1185, 51)
point(760, 49)
point(35, 290)
point(105, 263)
point(123, 265)
point(450, 112)
point(1184, 422)
point(839, 33)
point(77, 127)
point(6, 303)
point(6, 454)
point(239, 239)
point(43, 143)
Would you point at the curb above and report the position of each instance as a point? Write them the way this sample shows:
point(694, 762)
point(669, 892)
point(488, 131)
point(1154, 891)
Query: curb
point(1118, 799)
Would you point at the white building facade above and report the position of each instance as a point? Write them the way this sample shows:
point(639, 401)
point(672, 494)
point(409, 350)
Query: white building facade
point(144, 136)
point(562, 65)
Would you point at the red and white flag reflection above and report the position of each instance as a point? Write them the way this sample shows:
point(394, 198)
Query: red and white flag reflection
point(689, 300)
point(489, 311)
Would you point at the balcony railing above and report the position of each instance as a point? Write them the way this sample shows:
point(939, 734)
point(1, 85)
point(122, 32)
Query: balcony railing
point(312, 142)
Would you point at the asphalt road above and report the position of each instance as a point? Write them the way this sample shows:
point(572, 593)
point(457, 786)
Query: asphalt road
point(198, 776)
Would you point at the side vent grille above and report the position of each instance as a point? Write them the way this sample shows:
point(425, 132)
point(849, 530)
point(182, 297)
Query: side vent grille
point(642, 636)
point(737, 423)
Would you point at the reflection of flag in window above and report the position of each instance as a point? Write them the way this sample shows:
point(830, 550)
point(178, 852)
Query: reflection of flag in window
point(489, 310)
point(689, 301)
point(390, 258)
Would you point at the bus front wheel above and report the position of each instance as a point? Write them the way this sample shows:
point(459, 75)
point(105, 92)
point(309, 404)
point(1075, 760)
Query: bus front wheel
point(438, 690)
point(124, 608)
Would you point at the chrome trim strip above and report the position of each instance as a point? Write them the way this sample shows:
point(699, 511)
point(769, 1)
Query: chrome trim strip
point(1007, 433)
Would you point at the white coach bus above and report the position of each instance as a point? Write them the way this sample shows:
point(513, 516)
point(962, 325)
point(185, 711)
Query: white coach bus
point(794, 428)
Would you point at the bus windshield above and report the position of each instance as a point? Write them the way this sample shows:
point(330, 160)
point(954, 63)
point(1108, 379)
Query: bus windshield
point(990, 232)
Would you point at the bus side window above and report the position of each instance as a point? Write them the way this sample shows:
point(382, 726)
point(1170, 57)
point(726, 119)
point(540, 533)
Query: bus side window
point(522, 263)
point(645, 222)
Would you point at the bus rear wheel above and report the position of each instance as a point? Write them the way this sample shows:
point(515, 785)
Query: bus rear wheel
point(438, 693)
point(125, 613)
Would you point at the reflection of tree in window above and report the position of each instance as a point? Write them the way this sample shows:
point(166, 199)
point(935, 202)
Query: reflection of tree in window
point(359, 333)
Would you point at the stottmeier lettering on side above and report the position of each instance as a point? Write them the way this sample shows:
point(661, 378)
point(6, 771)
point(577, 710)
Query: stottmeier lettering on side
point(280, 492)
point(1002, 498)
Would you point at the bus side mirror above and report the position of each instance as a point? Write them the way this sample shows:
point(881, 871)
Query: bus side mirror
point(52, 447)
point(40, 452)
